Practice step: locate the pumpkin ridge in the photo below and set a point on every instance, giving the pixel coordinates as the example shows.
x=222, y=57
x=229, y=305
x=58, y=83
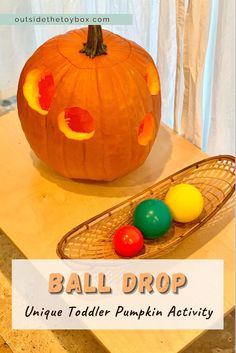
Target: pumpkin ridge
x=65, y=140
x=59, y=83
x=84, y=149
x=64, y=57
x=118, y=36
x=48, y=43
x=140, y=59
x=137, y=111
x=143, y=105
x=129, y=120
x=138, y=89
x=101, y=124
x=142, y=76
x=137, y=72
x=155, y=78
x=27, y=131
x=137, y=50
x=116, y=64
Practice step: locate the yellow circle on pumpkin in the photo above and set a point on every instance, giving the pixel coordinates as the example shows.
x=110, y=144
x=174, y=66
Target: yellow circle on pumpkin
x=185, y=202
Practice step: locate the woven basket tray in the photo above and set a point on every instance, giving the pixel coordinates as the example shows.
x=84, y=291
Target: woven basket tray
x=214, y=177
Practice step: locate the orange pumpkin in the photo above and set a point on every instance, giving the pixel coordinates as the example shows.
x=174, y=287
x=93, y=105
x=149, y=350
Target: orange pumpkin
x=89, y=104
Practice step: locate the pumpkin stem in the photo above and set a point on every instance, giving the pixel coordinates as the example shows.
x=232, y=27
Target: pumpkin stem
x=94, y=45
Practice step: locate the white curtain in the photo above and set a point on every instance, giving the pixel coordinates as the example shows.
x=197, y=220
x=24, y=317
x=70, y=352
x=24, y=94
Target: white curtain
x=192, y=42
x=222, y=112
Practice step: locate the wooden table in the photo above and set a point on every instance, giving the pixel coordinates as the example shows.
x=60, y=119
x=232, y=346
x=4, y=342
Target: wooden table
x=38, y=206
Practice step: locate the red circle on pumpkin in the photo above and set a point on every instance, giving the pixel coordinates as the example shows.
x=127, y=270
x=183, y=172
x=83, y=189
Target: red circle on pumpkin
x=46, y=91
x=79, y=120
x=128, y=241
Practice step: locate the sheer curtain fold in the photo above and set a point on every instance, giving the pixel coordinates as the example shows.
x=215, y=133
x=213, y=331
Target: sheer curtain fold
x=166, y=58
x=195, y=46
x=222, y=112
x=194, y=41
x=179, y=84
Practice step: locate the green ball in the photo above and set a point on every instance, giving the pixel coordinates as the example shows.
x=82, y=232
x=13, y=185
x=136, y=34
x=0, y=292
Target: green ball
x=153, y=218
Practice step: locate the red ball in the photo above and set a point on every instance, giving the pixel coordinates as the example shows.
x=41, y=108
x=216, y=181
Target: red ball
x=128, y=241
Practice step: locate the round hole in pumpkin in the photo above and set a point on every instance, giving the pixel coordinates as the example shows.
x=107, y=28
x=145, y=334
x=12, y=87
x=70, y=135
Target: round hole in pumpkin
x=152, y=79
x=76, y=123
x=38, y=90
x=46, y=91
x=146, y=130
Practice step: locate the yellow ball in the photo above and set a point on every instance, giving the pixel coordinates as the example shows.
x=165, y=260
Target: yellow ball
x=185, y=202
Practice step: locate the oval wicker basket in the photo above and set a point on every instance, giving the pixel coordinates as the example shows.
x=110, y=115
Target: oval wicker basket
x=214, y=176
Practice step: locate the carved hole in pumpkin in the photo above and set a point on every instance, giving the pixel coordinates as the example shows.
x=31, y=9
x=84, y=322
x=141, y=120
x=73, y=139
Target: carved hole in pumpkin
x=152, y=79
x=46, y=91
x=146, y=130
x=76, y=123
x=39, y=89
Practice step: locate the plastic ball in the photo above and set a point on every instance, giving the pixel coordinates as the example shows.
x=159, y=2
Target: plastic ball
x=128, y=241
x=153, y=218
x=185, y=202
